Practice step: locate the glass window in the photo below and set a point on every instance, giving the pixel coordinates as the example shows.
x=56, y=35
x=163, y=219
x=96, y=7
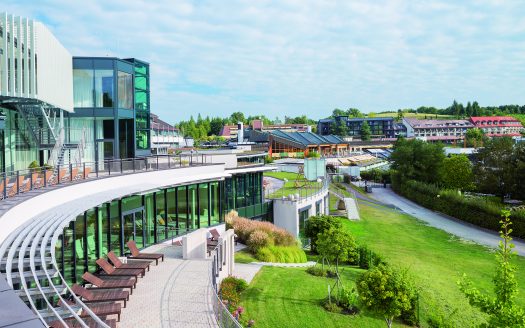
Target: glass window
x=80, y=247
x=160, y=215
x=103, y=227
x=69, y=253
x=91, y=240
x=115, y=228
x=171, y=202
x=182, y=208
x=83, y=88
x=203, y=204
x=125, y=90
x=104, y=88
x=192, y=204
x=214, y=203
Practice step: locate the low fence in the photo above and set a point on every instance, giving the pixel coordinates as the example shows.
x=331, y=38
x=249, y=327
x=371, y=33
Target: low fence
x=22, y=181
x=223, y=316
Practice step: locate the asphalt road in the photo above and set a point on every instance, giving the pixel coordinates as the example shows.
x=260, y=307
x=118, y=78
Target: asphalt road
x=443, y=222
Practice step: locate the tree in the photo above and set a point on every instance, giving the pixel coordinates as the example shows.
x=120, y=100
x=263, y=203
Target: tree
x=400, y=115
x=365, y=131
x=336, y=245
x=354, y=112
x=237, y=117
x=338, y=112
x=501, y=309
x=386, y=291
x=339, y=128
x=216, y=125
x=475, y=137
x=494, y=167
x=417, y=160
x=456, y=173
x=316, y=225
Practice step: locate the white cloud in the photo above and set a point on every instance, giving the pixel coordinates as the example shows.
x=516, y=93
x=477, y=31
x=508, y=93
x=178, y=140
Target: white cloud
x=297, y=56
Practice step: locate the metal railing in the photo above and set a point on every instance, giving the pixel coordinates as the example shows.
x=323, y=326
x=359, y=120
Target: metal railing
x=220, y=311
x=309, y=189
x=22, y=181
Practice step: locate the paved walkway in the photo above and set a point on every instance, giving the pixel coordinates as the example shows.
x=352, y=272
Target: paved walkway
x=176, y=293
x=443, y=222
x=274, y=184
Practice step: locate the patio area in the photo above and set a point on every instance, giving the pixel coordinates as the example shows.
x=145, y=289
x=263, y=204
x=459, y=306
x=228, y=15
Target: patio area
x=176, y=293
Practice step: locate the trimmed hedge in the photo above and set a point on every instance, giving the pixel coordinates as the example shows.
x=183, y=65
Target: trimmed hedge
x=485, y=214
x=281, y=254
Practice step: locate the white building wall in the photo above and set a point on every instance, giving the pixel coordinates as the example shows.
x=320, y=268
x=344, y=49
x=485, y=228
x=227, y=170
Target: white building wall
x=44, y=66
x=286, y=212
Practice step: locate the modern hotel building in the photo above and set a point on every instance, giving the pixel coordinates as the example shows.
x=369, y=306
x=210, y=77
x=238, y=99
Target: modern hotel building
x=94, y=185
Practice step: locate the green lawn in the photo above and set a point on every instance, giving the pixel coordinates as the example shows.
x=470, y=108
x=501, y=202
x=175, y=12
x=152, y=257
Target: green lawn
x=289, y=297
x=304, y=187
x=420, y=116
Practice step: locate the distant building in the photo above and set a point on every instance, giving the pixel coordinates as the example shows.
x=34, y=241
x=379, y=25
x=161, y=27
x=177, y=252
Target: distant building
x=380, y=127
x=230, y=132
x=299, y=144
x=165, y=136
x=498, y=126
x=437, y=130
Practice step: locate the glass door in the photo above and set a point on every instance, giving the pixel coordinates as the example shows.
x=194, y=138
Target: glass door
x=134, y=226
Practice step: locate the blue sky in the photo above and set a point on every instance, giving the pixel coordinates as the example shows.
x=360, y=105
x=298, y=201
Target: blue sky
x=295, y=57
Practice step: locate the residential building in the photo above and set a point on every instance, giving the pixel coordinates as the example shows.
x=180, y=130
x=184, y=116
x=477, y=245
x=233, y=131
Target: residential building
x=437, y=130
x=230, y=132
x=380, y=127
x=498, y=126
x=165, y=137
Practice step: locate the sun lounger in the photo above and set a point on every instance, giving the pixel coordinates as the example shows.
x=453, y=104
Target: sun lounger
x=100, y=309
x=119, y=265
x=136, y=254
x=90, y=296
x=73, y=323
x=112, y=271
x=100, y=283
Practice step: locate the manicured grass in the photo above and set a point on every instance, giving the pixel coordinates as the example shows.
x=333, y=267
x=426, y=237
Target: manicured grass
x=436, y=259
x=305, y=187
x=244, y=256
x=290, y=297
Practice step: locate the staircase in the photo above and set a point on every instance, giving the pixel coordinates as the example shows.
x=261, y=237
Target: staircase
x=42, y=123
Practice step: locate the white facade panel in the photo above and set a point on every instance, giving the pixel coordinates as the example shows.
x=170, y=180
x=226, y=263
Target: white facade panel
x=33, y=63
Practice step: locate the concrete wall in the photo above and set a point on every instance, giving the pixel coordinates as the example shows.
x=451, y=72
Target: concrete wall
x=194, y=244
x=286, y=212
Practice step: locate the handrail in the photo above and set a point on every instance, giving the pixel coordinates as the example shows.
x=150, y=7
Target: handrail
x=222, y=314
x=22, y=181
x=302, y=193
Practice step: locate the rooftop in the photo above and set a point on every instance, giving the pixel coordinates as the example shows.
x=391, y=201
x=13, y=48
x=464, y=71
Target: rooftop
x=415, y=123
x=308, y=138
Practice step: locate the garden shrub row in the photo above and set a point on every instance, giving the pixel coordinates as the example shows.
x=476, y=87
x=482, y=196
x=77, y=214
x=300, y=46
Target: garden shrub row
x=266, y=241
x=485, y=214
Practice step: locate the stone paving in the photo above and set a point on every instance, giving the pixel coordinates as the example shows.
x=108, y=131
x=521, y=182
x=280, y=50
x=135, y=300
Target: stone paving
x=176, y=293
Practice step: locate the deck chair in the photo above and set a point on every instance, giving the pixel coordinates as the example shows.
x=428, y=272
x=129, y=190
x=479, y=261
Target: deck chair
x=119, y=265
x=112, y=271
x=89, y=296
x=73, y=323
x=101, y=310
x=100, y=283
x=136, y=254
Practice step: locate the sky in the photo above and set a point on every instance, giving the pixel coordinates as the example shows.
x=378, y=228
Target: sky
x=301, y=57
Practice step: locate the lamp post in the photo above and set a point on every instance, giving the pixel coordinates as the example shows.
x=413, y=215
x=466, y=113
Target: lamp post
x=284, y=185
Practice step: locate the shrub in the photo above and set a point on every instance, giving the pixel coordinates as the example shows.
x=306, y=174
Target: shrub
x=481, y=212
x=332, y=307
x=368, y=258
x=337, y=246
x=283, y=238
x=239, y=284
x=281, y=254
x=316, y=271
x=316, y=225
x=348, y=300
x=258, y=239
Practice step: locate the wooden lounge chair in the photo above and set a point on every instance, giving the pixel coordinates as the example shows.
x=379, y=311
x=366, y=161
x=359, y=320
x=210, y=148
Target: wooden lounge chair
x=136, y=254
x=90, y=296
x=110, y=283
x=101, y=310
x=73, y=323
x=112, y=271
x=119, y=265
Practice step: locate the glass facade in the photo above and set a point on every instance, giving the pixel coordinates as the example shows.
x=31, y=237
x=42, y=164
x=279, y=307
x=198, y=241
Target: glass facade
x=125, y=90
x=142, y=105
x=147, y=219
x=17, y=145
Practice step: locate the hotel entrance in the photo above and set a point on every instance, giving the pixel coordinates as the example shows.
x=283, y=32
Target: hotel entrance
x=134, y=226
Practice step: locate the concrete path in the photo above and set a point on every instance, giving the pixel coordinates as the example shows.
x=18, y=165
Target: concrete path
x=273, y=185
x=246, y=271
x=443, y=222
x=176, y=293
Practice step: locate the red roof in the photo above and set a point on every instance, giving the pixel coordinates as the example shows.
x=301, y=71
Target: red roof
x=475, y=119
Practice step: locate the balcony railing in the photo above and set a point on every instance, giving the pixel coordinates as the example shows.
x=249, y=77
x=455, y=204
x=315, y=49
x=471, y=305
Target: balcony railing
x=23, y=181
